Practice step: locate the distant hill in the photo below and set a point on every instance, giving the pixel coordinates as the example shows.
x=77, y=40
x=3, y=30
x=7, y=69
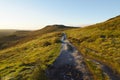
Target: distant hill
x=4, y=32
x=14, y=37
x=9, y=32
x=10, y=37
x=48, y=29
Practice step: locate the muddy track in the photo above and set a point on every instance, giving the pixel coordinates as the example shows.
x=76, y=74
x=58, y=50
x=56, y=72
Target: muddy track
x=106, y=69
x=69, y=65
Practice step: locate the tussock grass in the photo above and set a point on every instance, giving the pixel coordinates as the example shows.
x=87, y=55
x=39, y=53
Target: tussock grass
x=29, y=61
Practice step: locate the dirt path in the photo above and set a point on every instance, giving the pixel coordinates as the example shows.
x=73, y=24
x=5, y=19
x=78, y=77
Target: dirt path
x=69, y=65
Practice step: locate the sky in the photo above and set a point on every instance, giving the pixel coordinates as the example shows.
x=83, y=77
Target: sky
x=35, y=14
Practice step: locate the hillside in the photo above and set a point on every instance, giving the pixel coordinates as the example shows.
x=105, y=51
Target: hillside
x=99, y=42
x=22, y=36
x=28, y=60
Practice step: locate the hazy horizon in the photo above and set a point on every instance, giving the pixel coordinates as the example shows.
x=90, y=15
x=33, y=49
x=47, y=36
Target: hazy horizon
x=36, y=14
x=40, y=27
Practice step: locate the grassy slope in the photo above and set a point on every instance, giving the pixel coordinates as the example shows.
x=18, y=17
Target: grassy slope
x=29, y=60
x=100, y=42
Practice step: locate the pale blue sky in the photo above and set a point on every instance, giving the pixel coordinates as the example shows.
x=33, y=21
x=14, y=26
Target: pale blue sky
x=35, y=14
